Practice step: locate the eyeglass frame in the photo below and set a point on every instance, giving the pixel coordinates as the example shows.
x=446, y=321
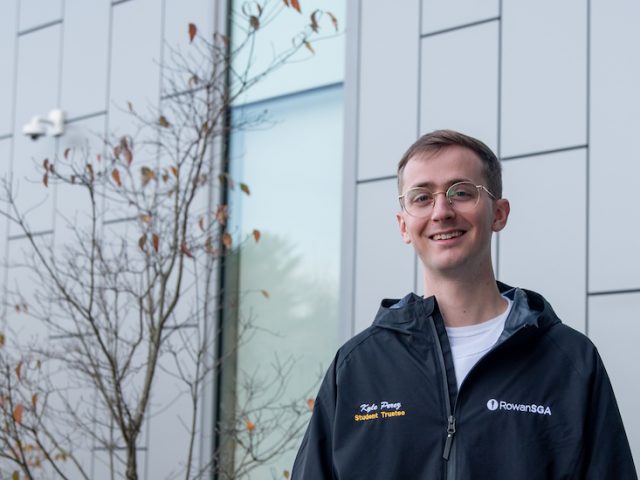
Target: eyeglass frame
x=449, y=200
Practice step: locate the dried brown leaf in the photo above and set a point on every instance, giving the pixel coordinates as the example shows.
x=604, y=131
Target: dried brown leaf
x=193, y=80
x=17, y=413
x=155, y=240
x=222, y=213
x=250, y=425
x=245, y=188
x=227, y=241
x=265, y=294
x=309, y=47
x=334, y=20
x=142, y=242
x=66, y=152
x=311, y=403
x=146, y=218
x=45, y=179
x=296, y=5
x=185, y=250
x=128, y=155
x=115, y=174
x=193, y=30
x=19, y=370
x=256, y=235
x=286, y=474
x=45, y=164
x=34, y=400
x=286, y=2
x=314, y=21
x=201, y=223
x=147, y=175
x=254, y=22
x=2, y=339
x=164, y=122
x=174, y=170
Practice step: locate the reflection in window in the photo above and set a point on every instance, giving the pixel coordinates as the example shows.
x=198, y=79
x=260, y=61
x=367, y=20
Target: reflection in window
x=287, y=283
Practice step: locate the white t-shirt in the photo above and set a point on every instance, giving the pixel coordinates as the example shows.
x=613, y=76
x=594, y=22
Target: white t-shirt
x=470, y=343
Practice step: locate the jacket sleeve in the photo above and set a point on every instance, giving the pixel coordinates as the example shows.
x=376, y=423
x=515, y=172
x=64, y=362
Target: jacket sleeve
x=314, y=460
x=606, y=449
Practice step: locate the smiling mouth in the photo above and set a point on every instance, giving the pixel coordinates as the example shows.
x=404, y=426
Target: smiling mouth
x=447, y=236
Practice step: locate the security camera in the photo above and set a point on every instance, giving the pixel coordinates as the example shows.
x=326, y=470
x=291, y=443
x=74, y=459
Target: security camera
x=52, y=125
x=35, y=129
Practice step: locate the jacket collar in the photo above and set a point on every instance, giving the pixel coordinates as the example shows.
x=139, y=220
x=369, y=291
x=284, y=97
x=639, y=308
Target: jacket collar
x=407, y=315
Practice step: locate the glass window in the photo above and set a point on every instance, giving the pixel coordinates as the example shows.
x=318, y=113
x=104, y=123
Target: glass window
x=288, y=281
x=305, y=70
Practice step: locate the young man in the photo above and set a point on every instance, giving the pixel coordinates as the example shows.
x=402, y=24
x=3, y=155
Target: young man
x=477, y=380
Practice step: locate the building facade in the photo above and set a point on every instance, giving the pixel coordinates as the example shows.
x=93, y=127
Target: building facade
x=550, y=87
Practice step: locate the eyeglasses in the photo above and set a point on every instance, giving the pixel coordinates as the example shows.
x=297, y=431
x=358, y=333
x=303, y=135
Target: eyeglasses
x=462, y=196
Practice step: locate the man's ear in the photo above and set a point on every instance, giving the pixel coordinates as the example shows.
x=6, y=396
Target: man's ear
x=500, y=214
x=403, y=228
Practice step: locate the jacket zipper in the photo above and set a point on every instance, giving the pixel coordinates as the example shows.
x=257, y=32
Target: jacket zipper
x=451, y=419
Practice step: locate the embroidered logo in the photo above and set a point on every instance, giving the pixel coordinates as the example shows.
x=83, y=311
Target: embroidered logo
x=380, y=410
x=494, y=405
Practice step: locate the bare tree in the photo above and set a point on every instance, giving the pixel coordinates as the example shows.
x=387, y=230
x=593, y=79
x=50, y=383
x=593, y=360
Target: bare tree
x=122, y=303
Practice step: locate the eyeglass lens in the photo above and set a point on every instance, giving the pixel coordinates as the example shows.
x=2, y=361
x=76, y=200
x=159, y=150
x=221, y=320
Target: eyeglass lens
x=461, y=196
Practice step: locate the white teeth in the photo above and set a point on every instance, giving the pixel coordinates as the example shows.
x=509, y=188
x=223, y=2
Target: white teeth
x=446, y=236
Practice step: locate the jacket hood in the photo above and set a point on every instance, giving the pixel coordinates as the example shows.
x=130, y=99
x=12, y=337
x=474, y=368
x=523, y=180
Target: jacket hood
x=408, y=314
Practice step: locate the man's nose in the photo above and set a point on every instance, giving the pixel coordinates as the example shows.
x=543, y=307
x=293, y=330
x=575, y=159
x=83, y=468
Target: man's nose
x=442, y=209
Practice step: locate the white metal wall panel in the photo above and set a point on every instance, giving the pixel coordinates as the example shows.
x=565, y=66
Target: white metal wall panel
x=443, y=14
x=8, y=31
x=614, y=326
x=25, y=295
x=384, y=263
x=544, y=85
x=36, y=94
x=5, y=152
x=614, y=258
x=459, y=82
x=34, y=13
x=85, y=59
x=542, y=247
x=388, y=75
x=135, y=62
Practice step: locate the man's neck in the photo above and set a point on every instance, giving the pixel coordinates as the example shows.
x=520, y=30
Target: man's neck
x=468, y=300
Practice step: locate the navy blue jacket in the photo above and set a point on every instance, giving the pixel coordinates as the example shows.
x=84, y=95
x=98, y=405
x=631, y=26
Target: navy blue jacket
x=539, y=405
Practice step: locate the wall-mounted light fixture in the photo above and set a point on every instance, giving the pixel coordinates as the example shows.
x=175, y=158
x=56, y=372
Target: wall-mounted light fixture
x=52, y=125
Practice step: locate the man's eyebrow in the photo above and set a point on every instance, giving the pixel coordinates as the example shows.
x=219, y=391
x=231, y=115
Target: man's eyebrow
x=431, y=185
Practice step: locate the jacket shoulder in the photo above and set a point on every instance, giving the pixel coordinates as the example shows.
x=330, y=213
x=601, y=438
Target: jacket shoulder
x=575, y=346
x=352, y=345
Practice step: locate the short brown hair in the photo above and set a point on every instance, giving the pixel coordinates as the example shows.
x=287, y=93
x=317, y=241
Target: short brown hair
x=440, y=139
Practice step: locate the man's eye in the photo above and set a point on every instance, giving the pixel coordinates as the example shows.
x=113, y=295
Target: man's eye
x=460, y=194
x=421, y=198
x=463, y=192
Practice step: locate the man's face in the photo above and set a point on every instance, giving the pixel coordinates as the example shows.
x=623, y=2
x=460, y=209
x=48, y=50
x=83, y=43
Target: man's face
x=469, y=247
